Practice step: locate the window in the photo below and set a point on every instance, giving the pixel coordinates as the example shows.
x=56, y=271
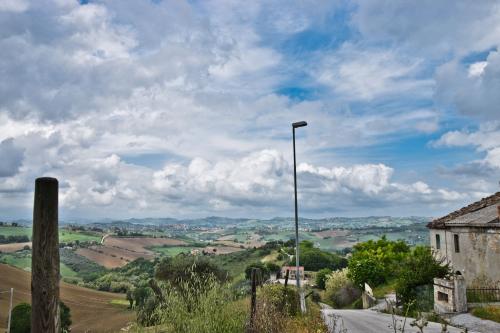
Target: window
x=438, y=242
x=457, y=244
x=442, y=297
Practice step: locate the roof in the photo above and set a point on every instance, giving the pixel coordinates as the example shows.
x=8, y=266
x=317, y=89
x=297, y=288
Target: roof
x=482, y=213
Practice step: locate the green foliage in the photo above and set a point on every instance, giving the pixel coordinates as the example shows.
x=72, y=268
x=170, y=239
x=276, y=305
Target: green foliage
x=417, y=269
x=321, y=277
x=21, y=318
x=376, y=262
x=314, y=259
x=286, y=300
x=262, y=274
x=182, y=268
x=65, y=314
x=272, y=267
x=88, y=270
x=340, y=290
x=122, y=279
x=14, y=239
x=186, y=308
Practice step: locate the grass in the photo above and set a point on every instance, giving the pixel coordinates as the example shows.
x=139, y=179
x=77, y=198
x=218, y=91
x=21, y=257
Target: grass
x=22, y=260
x=15, y=231
x=65, y=236
x=489, y=312
x=121, y=303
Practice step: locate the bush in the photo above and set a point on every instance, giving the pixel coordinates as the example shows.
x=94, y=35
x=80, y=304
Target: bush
x=182, y=268
x=263, y=272
x=186, y=308
x=21, y=318
x=418, y=269
x=376, y=262
x=321, y=277
x=340, y=290
x=65, y=314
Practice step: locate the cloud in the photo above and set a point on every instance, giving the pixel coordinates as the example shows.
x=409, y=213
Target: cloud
x=432, y=28
x=11, y=158
x=472, y=89
x=364, y=74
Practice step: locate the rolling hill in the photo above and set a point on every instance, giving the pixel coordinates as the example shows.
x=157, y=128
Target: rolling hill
x=91, y=310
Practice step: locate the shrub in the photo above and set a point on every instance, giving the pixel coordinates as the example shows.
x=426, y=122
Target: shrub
x=182, y=268
x=263, y=272
x=340, y=290
x=376, y=262
x=65, y=314
x=419, y=268
x=186, y=308
x=321, y=277
x=335, y=281
x=21, y=318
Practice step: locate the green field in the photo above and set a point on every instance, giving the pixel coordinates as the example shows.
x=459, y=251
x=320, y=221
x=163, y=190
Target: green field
x=65, y=236
x=15, y=231
x=22, y=260
x=172, y=251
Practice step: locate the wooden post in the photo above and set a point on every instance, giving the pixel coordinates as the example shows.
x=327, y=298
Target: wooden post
x=254, y=298
x=286, y=278
x=10, y=309
x=45, y=258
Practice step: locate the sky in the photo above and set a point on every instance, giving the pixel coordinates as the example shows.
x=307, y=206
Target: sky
x=184, y=108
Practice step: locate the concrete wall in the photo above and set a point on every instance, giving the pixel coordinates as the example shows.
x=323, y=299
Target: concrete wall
x=450, y=295
x=478, y=260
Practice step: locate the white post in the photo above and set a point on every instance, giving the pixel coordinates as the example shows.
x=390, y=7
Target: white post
x=10, y=308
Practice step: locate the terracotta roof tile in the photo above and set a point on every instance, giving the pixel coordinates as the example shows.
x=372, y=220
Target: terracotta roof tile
x=485, y=202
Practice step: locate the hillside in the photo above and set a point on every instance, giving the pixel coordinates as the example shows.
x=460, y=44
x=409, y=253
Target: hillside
x=90, y=309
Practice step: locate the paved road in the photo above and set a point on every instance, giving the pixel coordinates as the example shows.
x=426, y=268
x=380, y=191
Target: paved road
x=368, y=321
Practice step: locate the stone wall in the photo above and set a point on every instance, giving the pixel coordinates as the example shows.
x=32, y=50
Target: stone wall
x=477, y=261
x=450, y=295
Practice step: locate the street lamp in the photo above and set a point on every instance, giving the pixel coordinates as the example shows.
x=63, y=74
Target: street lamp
x=297, y=272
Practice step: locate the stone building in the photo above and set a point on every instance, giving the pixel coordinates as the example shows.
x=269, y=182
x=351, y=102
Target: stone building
x=469, y=240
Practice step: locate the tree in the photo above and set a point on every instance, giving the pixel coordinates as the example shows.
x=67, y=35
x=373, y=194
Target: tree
x=321, y=277
x=180, y=268
x=262, y=271
x=314, y=259
x=376, y=262
x=418, y=269
x=21, y=318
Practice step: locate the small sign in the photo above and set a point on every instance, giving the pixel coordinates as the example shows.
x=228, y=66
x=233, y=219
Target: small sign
x=368, y=290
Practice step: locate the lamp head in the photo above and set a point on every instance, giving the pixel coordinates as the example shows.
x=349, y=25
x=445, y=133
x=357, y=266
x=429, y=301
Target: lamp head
x=299, y=124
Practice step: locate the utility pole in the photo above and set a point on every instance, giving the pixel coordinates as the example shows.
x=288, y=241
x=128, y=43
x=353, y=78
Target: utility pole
x=10, y=309
x=297, y=271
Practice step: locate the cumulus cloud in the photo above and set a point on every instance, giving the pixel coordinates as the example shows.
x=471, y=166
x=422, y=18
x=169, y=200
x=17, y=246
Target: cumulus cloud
x=86, y=89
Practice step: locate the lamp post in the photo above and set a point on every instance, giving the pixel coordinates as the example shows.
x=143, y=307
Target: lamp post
x=297, y=272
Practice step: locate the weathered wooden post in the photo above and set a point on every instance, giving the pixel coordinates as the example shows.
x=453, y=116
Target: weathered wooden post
x=286, y=278
x=45, y=258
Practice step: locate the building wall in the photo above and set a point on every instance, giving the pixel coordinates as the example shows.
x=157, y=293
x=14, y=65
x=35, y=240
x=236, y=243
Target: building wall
x=478, y=260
